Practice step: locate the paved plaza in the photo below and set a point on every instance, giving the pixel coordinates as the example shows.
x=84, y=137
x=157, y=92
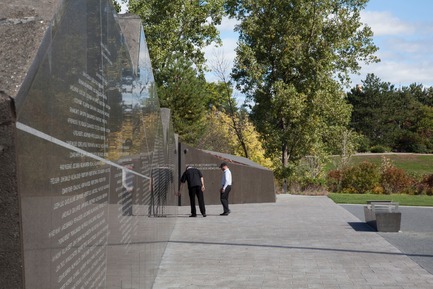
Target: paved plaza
x=416, y=236
x=297, y=242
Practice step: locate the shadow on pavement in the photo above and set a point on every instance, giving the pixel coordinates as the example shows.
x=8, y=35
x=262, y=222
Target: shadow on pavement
x=299, y=248
x=361, y=227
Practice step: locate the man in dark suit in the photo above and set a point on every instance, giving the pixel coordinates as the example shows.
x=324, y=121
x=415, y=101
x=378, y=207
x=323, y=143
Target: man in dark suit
x=195, y=188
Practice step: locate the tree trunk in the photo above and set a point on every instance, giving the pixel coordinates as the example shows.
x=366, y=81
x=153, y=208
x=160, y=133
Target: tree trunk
x=284, y=156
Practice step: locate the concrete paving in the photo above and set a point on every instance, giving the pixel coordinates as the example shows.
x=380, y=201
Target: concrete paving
x=297, y=242
x=416, y=235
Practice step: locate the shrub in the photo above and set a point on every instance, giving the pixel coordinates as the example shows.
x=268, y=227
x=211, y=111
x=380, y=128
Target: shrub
x=395, y=181
x=410, y=142
x=361, y=178
x=425, y=187
x=363, y=144
x=333, y=180
x=313, y=186
x=379, y=149
x=307, y=186
x=378, y=190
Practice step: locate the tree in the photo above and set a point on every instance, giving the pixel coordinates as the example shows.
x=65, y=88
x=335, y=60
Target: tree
x=216, y=136
x=390, y=117
x=288, y=56
x=423, y=95
x=185, y=93
x=176, y=32
x=176, y=28
x=220, y=67
x=424, y=129
x=251, y=142
x=220, y=136
x=116, y=5
x=373, y=109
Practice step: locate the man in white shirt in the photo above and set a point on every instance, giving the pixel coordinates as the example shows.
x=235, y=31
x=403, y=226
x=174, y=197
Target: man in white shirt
x=226, y=186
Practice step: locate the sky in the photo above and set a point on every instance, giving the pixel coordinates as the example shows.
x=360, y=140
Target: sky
x=403, y=32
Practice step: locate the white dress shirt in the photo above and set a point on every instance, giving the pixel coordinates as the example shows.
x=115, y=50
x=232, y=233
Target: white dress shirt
x=226, y=179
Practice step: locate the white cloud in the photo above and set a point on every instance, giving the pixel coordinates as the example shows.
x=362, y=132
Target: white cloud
x=384, y=23
x=399, y=72
x=227, y=24
x=123, y=6
x=405, y=50
x=413, y=46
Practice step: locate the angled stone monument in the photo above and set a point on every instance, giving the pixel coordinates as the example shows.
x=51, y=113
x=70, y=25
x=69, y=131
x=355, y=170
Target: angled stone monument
x=89, y=156
x=11, y=256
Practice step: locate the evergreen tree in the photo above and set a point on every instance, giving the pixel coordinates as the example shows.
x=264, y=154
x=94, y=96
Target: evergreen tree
x=185, y=94
x=390, y=117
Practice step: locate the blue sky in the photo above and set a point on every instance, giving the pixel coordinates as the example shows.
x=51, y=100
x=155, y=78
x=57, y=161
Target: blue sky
x=403, y=32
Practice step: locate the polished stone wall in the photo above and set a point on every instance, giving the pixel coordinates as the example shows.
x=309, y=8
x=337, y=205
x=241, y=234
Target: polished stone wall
x=95, y=155
x=11, y=255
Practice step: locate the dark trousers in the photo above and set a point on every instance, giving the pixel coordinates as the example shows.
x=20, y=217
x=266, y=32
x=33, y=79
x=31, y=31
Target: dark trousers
x=225, y=199
x=196, y=191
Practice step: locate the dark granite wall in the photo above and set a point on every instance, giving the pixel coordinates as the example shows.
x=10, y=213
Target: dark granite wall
x=10, y=225
x=88, y=163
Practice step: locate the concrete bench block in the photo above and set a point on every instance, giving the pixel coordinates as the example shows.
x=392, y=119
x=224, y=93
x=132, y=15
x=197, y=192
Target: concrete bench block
x=383, y=217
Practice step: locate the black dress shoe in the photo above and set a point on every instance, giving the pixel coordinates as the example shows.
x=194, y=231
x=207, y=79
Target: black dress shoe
x=224, y=214
x=192, y=216
x=204, y=215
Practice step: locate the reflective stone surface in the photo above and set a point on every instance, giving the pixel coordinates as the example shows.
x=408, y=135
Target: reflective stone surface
x=96, y=156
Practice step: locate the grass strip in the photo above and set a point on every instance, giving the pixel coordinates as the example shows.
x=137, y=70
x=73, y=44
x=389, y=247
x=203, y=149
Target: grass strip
x=403, y=200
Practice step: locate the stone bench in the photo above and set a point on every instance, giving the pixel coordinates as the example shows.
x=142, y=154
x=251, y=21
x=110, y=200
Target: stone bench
x=383, y=216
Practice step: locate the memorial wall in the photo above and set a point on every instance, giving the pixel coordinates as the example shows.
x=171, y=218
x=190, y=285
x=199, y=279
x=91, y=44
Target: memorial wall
x=96, y=156
x=252, y=183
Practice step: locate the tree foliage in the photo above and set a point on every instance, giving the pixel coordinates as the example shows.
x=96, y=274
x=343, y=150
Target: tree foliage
x=239, y=121
x=178, y=29
x=176, y=33
x=400, y=119
x=185, y=94
x=221, y=136
x=116, y=5
x=288, y=56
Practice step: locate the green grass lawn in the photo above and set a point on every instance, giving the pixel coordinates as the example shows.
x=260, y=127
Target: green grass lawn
x=413, y=164
x=403, y=200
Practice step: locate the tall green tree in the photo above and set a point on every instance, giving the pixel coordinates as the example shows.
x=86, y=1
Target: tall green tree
x=373, y=108
x=423, y=94
x=391, y=117
x=289, y=55
x=178, y=28
x=185, y=93
x=176, y=33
